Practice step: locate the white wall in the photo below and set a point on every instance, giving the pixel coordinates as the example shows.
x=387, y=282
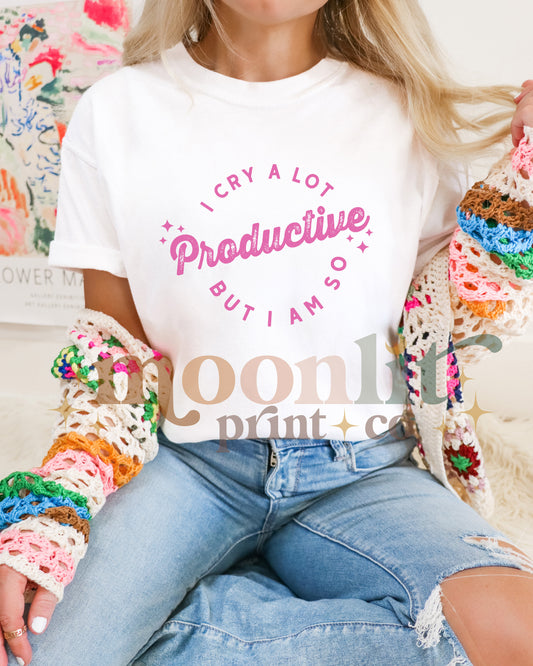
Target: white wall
x=487, y=42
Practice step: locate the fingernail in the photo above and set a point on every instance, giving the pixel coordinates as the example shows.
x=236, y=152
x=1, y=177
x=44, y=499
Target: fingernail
x=38, y=624
x=20, y=661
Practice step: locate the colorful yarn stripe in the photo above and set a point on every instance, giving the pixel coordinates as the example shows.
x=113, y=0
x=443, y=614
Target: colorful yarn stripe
x=453, y=383
x=65, y=515
x=63, y=537
x=465, y=461
x=13, y=509
x=124, y=467
x=71, y=364
x=471, y=284
x=107, y=346
x=490, y=204
x=39, y=552
x=113, y=343
x=495, y=237
x=81, y=460
x=523, y=157
x=461, y=451
x=17, y=481
x=151, y=411
x=521, y=263
x=488, y=309
x=405, y=359
x=79, y=481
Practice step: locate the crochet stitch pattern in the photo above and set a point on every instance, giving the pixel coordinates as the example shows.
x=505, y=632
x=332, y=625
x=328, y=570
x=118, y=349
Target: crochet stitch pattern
x=97, y=448
x=480, y=284
x=495, y=236
x=95, y=467
x=512, y=322
x=124, y=467
x=67, y=516
x=521, y=263
x=37, y=558
x=16, y=482
x=13, y=509
x=70, y=364
x=494, y=207
x=474, y=271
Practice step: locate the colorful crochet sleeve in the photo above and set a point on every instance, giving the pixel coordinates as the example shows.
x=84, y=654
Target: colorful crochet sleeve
x=98, y=446
x=491, y=253
x=481, y=284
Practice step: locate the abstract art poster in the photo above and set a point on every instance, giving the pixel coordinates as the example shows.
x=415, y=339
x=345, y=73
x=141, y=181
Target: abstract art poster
x=49, y=55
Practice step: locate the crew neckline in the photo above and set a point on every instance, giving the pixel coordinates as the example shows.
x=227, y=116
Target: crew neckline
x=185, y=70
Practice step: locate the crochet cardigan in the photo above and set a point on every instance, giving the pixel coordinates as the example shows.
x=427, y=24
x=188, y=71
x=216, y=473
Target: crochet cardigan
x=468, y=299
x=98, y=446
x=481, y=283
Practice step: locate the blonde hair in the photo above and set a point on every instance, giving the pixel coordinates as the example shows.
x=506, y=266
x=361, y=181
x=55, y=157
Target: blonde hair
x=389, y=38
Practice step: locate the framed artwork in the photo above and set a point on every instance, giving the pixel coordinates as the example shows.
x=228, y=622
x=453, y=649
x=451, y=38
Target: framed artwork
x=49, y=54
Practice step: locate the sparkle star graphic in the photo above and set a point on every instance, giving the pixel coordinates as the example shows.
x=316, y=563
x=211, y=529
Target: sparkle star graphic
x=167, y=225
x=475, y=411
x=180, y=229
x=362, y=247
x=163, y=240
x=344, y=425
x=65, y=410
x=350, y=238
x=463, y=377
x=369, y=232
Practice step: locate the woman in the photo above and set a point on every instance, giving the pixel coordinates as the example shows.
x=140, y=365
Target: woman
x=251, y=204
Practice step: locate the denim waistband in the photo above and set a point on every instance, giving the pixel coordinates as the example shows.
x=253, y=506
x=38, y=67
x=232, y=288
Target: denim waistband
x=346, y=450
x=397, y=432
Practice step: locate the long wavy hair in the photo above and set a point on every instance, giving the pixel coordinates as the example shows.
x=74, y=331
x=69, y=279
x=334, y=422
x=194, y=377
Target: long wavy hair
x=389, y=38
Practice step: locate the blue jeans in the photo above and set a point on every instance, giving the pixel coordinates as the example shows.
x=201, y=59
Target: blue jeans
x=324, y=553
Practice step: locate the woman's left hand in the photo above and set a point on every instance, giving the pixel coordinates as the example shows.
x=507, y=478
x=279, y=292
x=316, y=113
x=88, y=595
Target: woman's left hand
x=524, y=111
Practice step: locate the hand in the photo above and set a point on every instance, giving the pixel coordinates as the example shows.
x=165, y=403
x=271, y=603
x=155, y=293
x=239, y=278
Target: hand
x=524, y=112
x=12, y=586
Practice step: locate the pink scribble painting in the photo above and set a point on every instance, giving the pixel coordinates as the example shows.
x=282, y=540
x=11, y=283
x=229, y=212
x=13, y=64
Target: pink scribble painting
x=49, y=54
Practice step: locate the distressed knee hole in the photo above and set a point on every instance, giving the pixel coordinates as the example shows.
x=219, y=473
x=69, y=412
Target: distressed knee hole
x=430, y=620
x=507, y=551
x=429, y=625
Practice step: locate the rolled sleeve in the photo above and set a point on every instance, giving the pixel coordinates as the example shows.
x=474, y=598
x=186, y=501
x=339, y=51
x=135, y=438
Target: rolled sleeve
x=85, y=236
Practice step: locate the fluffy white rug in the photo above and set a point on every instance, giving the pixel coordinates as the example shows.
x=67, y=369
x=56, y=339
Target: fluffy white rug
x=508, y=451
x=508, y=447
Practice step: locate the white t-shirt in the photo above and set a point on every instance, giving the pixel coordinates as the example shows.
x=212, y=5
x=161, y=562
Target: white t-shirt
x=269, y=232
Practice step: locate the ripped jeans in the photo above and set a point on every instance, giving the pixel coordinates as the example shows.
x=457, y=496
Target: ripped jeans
x=275, y=552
